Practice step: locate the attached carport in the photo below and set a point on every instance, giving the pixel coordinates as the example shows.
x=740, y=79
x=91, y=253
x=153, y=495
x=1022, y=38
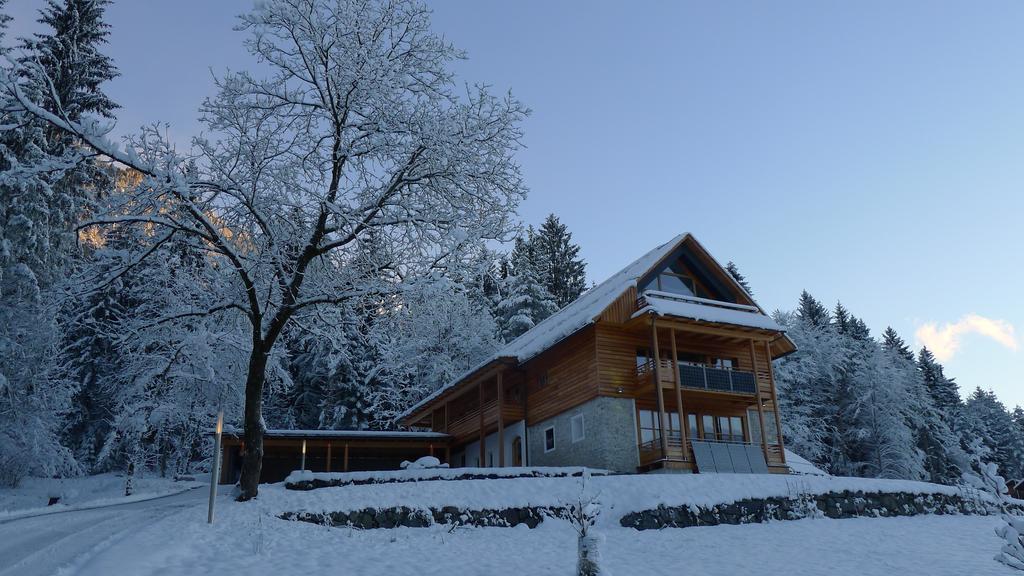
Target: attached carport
x=331, y=451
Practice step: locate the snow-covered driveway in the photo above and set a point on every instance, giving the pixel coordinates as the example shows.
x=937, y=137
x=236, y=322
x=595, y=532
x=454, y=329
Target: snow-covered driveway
x=68, y=542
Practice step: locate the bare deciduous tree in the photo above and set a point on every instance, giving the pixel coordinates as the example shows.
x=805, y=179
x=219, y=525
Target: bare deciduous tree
x=358, y=129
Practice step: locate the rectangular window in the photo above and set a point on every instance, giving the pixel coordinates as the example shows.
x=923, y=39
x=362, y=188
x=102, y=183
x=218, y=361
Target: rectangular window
x=691, y=420
x=549, y=439
x=676, y=284
x=736, y=425
x=542, y=379
x=708, y=425
x=772, y=431
x=690, y=358
x=726, y=363
x=649, y=431
x=754, y=424
x=576, y=425
x=672, y=426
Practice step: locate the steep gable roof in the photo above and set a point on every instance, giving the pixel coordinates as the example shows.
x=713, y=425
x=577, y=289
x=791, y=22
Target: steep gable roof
x=576, y=315
x=586, y=309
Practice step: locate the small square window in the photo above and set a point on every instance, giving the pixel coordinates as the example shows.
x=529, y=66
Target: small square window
x=542, y=379
x=576, y=424
x=549, y=439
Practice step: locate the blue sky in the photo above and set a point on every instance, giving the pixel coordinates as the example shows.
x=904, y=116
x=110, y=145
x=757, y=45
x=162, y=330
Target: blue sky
x=869, y=152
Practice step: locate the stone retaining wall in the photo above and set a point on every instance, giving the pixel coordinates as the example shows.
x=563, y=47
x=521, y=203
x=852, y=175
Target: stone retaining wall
x=413, y=518
x=829, y=505
x=335, y=482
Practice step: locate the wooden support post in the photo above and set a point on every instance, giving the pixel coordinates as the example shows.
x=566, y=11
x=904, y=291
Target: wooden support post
x=525, y=391
x=431, y=449
x=775, y=401
x=501, y=423
x=679, y=394
x=657, y=390
x=760, y=401
x=446, y=417
x=345, y=462
x=483, y=439
x=328, y=456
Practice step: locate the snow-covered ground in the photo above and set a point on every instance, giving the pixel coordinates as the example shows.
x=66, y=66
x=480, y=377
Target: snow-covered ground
x=32, y=495
x=170, y=537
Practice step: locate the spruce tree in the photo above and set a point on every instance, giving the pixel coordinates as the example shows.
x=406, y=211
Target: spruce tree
x=943, y=390
x=563, y=271
x=841, y=318
x=734, y=271
x=858, y=329
x=525, y=299
x=989, y=420
x=811, y=311
x=892, y=342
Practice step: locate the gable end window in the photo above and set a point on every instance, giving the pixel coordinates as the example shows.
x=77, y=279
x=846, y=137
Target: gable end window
x=576, y=424
x=549, y=439
x=676, y=284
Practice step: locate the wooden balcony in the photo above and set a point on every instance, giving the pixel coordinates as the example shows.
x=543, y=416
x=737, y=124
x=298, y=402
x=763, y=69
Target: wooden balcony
x=467, y=425
x=699, y=377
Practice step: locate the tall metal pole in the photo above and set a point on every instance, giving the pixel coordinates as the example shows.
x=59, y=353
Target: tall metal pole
x=215, y=467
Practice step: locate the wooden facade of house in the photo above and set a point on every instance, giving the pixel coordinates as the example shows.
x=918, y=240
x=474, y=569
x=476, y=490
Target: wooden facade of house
x=673, y=333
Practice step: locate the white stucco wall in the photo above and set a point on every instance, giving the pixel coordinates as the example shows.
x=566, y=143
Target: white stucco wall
x=472, y=450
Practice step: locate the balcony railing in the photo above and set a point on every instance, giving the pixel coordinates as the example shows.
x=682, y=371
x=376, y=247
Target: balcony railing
x=700, y=377
x=716, y=379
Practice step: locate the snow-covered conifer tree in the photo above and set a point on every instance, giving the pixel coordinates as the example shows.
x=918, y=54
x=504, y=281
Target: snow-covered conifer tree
x=525, y=300
x=564, y=272
x=734, y=271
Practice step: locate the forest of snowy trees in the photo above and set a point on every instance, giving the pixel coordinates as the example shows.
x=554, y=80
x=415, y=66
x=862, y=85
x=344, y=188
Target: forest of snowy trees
x=860, y=406
x=328, y=252
x=342, y=241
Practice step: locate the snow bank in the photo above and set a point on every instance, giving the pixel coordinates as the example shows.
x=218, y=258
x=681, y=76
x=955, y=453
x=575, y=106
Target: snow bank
x=30, y=498
x=801, y=466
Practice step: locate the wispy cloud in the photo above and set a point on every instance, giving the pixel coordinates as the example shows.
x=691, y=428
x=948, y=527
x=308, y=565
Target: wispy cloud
x=944, y=341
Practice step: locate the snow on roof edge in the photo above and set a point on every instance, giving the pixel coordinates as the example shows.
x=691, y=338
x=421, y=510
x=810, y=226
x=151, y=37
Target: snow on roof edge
x=575, y=316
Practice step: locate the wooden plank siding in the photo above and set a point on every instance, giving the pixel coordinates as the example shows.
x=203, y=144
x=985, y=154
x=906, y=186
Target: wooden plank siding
x=571, y=377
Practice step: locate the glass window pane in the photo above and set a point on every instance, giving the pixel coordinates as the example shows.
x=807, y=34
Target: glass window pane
x=723, y=428
x=675, y=284
x=708, y=422
x=754, y=425
x=692, y=420
x=736, y=424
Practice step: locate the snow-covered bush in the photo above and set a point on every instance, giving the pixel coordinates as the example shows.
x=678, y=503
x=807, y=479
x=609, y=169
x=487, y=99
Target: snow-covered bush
x=423, y=463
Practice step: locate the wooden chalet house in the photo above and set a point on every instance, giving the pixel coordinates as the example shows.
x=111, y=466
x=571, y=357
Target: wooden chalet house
x=665, y=365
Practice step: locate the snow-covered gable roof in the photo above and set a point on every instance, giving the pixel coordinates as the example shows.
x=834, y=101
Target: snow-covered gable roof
x=576, y=315
x=588, y=307
x=585, y=309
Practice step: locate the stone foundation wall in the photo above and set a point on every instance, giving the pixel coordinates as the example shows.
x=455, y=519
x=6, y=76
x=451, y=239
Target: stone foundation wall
x=609, y=440
x=830, y=505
